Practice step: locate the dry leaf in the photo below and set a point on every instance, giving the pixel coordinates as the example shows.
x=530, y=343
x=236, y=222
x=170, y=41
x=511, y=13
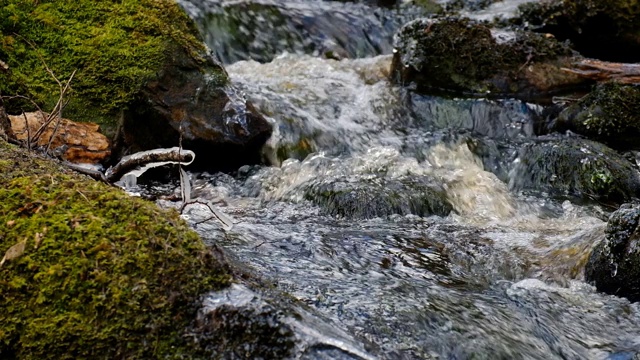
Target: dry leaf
x=14, y=252
x=10, y=223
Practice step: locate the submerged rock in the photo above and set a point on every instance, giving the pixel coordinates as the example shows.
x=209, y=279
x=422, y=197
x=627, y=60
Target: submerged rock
x=568, y=166
x=369, y=197
x=608, y=30
x=614, y=264
x=463, y=56
x=609, y=114
x=252, y=326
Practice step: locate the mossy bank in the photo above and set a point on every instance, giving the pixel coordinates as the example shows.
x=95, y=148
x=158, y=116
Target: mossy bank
x=102, y=275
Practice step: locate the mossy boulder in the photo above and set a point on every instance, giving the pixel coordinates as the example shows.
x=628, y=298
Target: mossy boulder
x=609, y=114
x=140, y=63
x=608, y=30
x=463, y=56
x=370, y=197
x=575, y=167
x=614, y=263
x=92, y=272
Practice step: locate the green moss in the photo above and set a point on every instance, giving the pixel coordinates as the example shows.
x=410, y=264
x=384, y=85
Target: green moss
x=464, y=55
x=576, y=167
x=115, y=46
x=607, y=30
x=103, y=275
x=610, y=113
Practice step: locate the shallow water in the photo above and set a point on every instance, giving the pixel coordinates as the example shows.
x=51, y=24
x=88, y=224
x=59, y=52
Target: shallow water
x=498, y=278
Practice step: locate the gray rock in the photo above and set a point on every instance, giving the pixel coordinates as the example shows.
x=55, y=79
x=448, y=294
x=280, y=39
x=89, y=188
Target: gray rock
x=369, y=197
x=464, y=56
x=614, y=264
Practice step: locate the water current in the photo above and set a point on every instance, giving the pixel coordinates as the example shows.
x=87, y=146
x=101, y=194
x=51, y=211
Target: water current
x=499, y=277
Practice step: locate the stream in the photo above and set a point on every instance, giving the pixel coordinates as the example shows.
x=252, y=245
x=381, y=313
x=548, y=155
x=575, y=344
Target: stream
x=500, y=276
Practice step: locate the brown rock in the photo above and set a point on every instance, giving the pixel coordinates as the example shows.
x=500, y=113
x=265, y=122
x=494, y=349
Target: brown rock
x=74, y=142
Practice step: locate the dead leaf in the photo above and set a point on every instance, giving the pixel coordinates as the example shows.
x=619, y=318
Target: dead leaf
x=14, y=252
x=10, y=223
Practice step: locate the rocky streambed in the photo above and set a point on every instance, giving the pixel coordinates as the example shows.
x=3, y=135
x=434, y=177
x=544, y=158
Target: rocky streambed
x=418, y=183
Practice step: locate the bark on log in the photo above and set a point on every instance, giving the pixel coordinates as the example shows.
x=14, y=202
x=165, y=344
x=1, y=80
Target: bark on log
x=5, y=126
x=602, y=71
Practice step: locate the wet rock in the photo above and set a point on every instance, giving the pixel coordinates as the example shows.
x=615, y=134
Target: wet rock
x=73, y=142
x=238, y=323
x=575, y=167
x=369, y=197
x=614, y=264
x=463, y=56
x=608, y=30
x=609, y=114
x=191, y=99
x=148, y=74
x=260, y=30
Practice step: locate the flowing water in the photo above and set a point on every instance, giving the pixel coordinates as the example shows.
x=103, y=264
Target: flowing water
x=500, y=277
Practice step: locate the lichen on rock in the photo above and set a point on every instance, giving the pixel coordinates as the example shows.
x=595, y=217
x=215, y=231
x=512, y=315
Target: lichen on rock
x=102, y=275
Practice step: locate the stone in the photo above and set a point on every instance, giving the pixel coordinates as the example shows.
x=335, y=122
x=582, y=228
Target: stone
x=461, y=56
x=192, y=101
x=573, y=167
x=607, y=30
x=365, y=197
x=614, y=263
x=610, y=113
x=72, y=141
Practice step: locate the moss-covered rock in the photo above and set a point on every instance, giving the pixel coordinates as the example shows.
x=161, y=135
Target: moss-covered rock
x=102, y=275
x=369, y=197
x=609, y=114
x=116, y=47
x=464, y=56
x=574, y=167
x=608, y=30
x=140, y=63
x=614, y=264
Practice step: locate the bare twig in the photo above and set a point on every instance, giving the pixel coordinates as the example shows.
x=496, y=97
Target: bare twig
x=26, y=126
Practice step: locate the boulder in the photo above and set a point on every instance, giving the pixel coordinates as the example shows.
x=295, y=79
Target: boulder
x=369, y=197
x=73, y=142
x=609, y=114
x=607, y=30
x=467, y=57
x=139, y=64
x=574, y=167
x=192, y=100
x=90, y=272
x=614, y=263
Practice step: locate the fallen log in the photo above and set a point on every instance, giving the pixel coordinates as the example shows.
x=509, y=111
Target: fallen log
x=603, y=71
